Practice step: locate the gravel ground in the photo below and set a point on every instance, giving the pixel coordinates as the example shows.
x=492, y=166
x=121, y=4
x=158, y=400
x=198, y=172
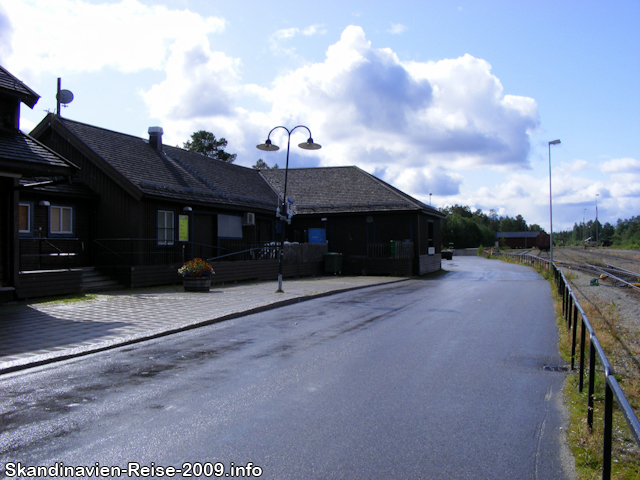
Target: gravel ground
x=611, y=308
x=623, y=301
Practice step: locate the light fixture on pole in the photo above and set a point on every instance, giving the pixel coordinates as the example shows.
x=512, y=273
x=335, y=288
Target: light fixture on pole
x=552, y=142
x=282, y=212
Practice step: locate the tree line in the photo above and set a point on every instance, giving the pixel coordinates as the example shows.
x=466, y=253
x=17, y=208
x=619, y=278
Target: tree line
x=625, y=234
x=469, y=229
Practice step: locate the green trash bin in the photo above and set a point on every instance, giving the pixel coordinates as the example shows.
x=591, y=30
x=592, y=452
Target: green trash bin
x=333, y=263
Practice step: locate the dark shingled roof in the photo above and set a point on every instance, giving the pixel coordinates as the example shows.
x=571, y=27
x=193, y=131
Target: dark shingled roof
x=10, y=85
x=174, y=173
x=341, y=190
x=71, y=186
x=23, y=154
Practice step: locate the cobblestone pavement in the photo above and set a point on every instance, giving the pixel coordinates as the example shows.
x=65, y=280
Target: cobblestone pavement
x=37, y=333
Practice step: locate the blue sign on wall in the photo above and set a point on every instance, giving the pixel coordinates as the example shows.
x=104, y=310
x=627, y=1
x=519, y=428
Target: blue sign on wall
x=317, y=235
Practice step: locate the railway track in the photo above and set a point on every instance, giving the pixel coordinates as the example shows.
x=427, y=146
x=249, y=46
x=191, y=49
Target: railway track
x=622, y=276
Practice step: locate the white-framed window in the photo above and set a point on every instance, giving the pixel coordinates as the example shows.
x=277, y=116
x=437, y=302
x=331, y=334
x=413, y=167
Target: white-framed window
x=60, y=220
x=229, y=226
x=24, y=218
x=166, y=227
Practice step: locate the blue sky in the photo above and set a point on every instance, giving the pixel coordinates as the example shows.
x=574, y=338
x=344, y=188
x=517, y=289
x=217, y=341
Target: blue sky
x=454, y=99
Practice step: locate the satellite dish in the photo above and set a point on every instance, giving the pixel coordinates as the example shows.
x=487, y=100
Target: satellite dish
x=64, y=96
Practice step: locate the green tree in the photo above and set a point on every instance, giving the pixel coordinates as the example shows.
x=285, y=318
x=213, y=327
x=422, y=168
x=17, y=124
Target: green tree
x=205, y=143
x=261, y=165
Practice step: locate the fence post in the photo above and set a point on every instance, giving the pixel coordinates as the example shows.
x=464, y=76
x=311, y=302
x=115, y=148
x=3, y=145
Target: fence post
x=575, y=331
x=582, y=345
x=608, y=420
x=592, y=380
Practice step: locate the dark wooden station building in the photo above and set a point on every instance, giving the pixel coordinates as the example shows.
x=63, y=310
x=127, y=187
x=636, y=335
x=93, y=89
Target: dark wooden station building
x=379, y=229
x=76, y=199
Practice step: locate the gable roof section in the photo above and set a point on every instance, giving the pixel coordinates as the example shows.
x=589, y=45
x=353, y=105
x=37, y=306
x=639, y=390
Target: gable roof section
x=173, y=173
x=238, y=185
x=22, y=154
x=341, y=190
x=10, y=85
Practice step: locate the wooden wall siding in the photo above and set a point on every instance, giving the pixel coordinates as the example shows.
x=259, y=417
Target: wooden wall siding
x=45, y=283
x=154, y=275
x=6, y=227
x=120, y=213
x=245, y=270
x=430, y=263
x=350, y=234
x=376, y=266
x=38, y=249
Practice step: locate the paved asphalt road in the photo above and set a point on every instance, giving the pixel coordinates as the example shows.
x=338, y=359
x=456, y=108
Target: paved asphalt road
x=430, y=378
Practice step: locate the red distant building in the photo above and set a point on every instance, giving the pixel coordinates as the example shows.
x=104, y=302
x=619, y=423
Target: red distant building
x=523, y=240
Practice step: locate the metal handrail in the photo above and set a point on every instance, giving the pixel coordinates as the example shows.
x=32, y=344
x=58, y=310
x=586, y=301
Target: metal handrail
x=97, y=242
x=232, y=254
x=130, y=251
x=64, y=254
x=570, y=310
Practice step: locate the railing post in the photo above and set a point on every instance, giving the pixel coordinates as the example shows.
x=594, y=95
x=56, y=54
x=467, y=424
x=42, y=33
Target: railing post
x=575, y=331
x=582, y=345
x=592, y=380
x=608, y=420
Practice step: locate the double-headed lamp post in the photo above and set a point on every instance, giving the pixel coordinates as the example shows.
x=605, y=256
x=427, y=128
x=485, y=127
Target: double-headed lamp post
x=552, y=142
x=282, y=212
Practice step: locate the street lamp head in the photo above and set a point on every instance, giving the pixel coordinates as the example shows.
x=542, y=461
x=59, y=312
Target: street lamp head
x=554, y=142
x=310, y=145
x=268, y=146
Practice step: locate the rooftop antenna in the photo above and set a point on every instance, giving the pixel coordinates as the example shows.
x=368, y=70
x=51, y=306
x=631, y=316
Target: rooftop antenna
x=63, y=97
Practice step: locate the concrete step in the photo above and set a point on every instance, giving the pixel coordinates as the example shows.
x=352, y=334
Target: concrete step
x=93, y=281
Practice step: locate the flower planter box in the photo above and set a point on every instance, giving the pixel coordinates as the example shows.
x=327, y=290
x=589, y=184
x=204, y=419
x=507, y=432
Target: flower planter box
x=196, y=284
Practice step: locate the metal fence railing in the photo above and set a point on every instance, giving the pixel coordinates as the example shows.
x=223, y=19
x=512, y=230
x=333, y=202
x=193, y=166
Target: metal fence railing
x=394, y=249
x=50, y=253
x=147, y=251
x=150, y=251
x=572, y=312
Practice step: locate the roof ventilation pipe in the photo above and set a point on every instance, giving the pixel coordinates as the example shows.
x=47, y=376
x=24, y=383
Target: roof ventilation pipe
x=155, y=138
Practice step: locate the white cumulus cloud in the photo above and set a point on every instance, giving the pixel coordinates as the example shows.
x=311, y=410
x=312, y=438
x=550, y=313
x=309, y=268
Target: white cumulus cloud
x=397, y=29
x=71, y=35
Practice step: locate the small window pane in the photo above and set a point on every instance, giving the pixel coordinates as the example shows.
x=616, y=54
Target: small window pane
x=55, y=219
x=61, y=219
x=66, y=220
x=24, y=220
x=166, y=229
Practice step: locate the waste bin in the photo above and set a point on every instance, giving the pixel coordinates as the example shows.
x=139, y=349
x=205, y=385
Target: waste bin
x=333, y=263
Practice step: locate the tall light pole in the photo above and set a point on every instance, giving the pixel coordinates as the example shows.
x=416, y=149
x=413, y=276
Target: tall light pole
x=282, y=212
x=597, y=232
x=583, y=224
x=552, y=142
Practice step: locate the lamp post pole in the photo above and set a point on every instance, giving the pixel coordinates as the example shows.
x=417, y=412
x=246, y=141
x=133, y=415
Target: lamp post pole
x=597, y=230
x=282, y=212
x=553, y=142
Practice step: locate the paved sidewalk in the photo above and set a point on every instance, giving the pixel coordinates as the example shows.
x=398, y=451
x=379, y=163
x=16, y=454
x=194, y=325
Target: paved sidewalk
x=38, y=333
